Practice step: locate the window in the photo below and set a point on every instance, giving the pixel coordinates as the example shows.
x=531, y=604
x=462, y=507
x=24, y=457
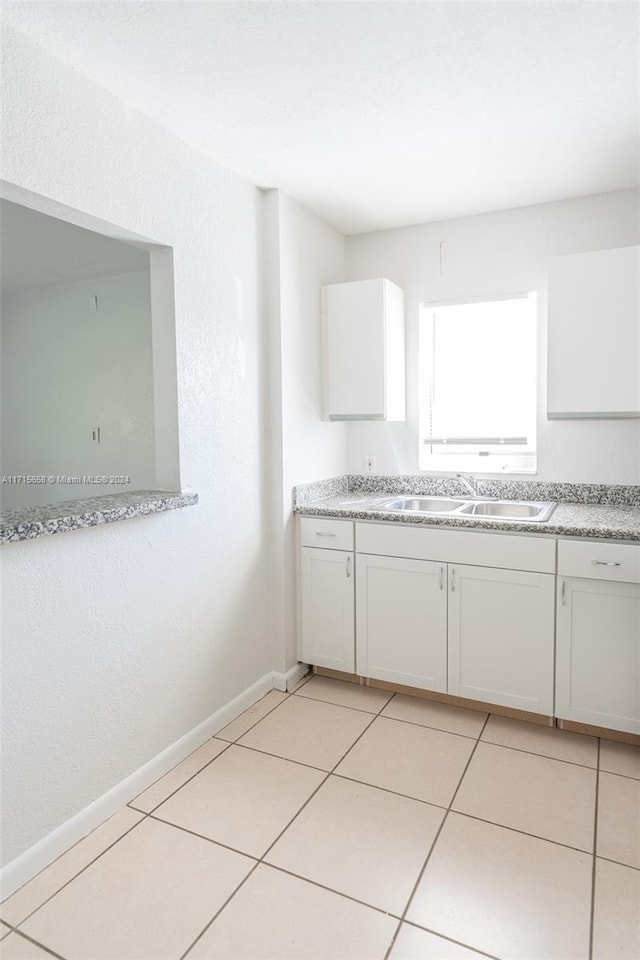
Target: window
x=478, y=386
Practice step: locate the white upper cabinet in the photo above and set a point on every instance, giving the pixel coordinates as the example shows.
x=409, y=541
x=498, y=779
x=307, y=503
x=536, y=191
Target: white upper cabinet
x=594, y=335
x=363, y=351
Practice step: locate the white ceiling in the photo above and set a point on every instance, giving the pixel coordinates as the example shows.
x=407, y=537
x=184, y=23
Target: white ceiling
x=38, y=251
x=376, y=114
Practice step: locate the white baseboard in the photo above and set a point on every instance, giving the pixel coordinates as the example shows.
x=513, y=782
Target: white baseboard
x=288, y=680
x=45, y=851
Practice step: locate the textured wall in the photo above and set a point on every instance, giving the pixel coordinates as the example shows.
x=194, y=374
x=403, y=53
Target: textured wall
x=488, y=255
x=118, y=640
x=311, y=254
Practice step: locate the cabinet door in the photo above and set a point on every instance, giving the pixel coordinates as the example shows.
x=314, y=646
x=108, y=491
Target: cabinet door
x=401, y=610
x=328, y=633
x=363, y=350
x=594, y=334
x=501, y=629
x=598, y=655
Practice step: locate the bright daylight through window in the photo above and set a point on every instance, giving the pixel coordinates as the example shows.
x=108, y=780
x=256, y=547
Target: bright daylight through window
x=478, y=386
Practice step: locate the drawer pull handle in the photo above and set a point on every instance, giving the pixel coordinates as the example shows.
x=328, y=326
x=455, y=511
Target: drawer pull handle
x=321, y=533
x=606, y=563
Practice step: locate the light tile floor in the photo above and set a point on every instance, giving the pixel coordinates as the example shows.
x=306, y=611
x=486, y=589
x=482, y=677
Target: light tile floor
x=344, y=822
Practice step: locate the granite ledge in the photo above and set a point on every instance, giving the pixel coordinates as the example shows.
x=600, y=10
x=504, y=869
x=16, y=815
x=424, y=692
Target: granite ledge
x=28, y=523
x=590, y=511
x=437, y=485
x=587, y=521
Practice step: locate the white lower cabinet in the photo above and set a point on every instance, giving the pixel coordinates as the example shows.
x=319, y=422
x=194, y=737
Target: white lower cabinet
x=598, y=652
x=475, y=615
x=327, y=608
x=501, y=630
x=401, y=616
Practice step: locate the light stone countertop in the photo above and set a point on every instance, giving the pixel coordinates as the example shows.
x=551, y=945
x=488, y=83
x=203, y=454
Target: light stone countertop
x=610, y=521
x=28, y=523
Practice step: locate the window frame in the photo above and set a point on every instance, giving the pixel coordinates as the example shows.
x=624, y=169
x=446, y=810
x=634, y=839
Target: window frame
x=517, y=459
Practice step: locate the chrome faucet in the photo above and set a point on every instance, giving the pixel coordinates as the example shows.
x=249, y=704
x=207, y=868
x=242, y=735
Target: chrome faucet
x=469, y=484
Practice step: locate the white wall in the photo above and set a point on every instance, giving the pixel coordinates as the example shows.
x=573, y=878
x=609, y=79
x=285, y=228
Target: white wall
x=117, y=640
x=306, y=254
x=500, y=253
x=66, y=371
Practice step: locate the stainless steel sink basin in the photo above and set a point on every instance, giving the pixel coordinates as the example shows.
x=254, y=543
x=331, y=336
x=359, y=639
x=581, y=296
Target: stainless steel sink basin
x=485, y=509
x=425, y=504
x=509, y=510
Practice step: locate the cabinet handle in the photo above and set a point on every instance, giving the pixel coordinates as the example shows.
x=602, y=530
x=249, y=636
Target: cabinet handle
x=606, y=563
x=441, y=577
x=348, y=566
x=321, y=533
x=563, y=593
x=453, y=579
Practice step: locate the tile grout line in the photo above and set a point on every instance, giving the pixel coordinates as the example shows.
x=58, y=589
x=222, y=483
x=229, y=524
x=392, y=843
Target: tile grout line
x=425, y=726
x=337, y=893
x=522, y=833
x=543, y=756
x=372, y=786
x=623, y=776
x=230, y=743
x=466, y=736
x=302, y=682
x=595, y=849
x=131, y=803
x=619, y=863
x=274, y=866
x=469, y=816
x=86, y=867
x=481, y=953
x=433, y=845
x=219, y=911
x=349, y=707
x=384, y=705
x=271, y=845
x=201, y=836
x=259, y=720
x=278, y=756
x=38, y=943
x=394, y=793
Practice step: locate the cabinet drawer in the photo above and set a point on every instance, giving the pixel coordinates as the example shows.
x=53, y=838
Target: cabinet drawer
x=476, y=548
x=331, y=534
x=599, y=561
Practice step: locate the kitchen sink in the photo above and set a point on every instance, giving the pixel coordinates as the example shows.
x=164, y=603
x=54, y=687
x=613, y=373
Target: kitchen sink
x=487, y=509
x=425, y=504
x=508, y=510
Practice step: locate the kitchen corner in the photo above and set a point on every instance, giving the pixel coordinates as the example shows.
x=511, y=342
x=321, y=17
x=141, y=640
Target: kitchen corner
x=537, y=619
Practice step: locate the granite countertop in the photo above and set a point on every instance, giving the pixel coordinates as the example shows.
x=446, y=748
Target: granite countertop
x=30, y=522
x=613, y=519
